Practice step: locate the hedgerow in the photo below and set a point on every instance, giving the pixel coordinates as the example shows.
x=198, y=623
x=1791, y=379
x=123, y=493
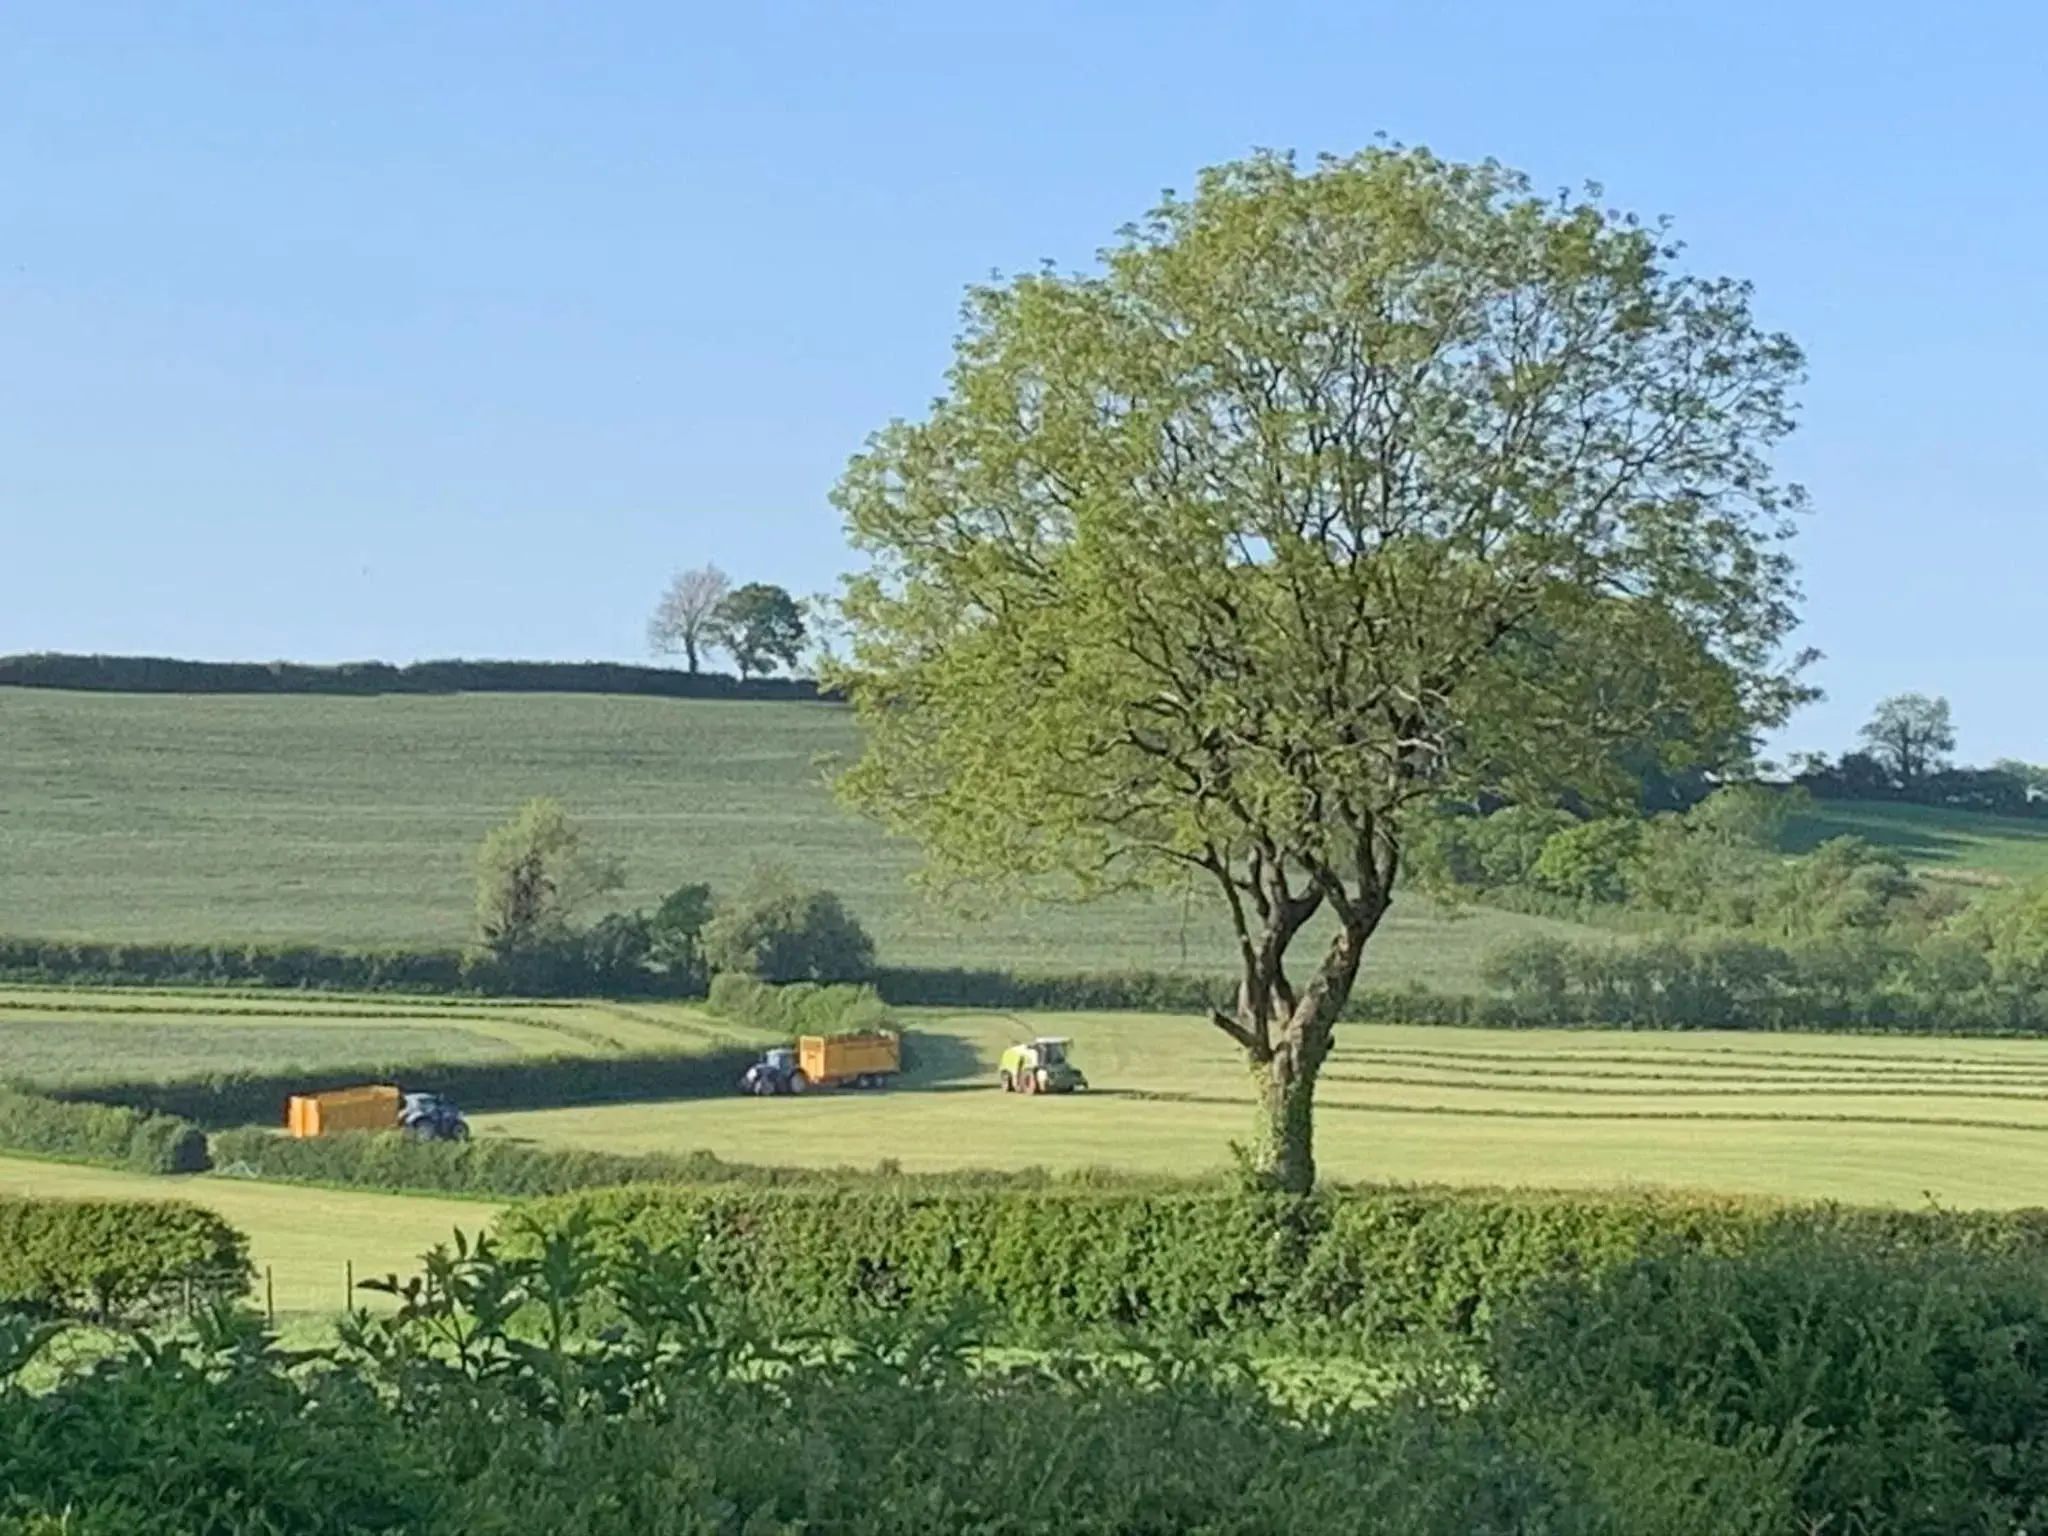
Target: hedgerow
x=504, y=1168
x=1367, y=1262
x=156, y=674
x=115, y=1135
x=547, y=1082
x=116, y=1260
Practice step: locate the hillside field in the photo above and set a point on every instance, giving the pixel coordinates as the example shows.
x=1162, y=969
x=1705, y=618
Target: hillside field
x=217, y=818
x=1962, y=844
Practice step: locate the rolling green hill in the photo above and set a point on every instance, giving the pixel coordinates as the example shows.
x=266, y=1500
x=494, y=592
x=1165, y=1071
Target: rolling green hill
x=353, y=820
x=1959, y=843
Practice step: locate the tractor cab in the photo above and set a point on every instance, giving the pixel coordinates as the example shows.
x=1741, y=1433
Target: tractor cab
x=430, y=1117
x=776, y=1072
x=1042, y=1066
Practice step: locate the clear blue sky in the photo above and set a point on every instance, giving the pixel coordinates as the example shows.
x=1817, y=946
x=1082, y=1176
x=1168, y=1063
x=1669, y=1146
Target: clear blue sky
x=333, y=331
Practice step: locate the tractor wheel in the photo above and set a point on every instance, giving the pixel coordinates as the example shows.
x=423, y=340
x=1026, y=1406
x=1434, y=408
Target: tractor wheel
x=1030, y=1082
x=798, y=1083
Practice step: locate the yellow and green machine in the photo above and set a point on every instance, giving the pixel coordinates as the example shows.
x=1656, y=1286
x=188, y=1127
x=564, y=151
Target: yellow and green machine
x=1042, y=1066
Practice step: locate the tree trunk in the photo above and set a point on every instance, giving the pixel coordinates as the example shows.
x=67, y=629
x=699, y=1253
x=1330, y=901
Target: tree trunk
x=690, y=652
x=1283, y=1149
x=1284, y=1072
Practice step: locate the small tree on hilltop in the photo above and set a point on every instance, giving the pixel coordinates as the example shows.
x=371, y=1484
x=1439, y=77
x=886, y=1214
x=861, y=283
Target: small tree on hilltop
x=1912, y=736
x=683, y=618
x=759, y=626
x=1333, y=496
x=531, y=875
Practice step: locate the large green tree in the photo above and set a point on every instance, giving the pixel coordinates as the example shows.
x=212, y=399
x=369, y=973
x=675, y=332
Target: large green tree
x=758, y=625
x=1332, y=494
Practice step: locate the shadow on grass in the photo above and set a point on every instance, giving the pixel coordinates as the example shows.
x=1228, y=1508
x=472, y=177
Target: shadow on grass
x=1924, y=834
x=941, y=1061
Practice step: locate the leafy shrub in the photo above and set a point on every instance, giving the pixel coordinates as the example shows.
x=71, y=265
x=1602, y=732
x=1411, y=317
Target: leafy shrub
x=775, y=931
x=1905, y=1391
x=116, y=1136
x=116, y=1259
x=1589, y=861
x=209, y=1436
x=801, y=1008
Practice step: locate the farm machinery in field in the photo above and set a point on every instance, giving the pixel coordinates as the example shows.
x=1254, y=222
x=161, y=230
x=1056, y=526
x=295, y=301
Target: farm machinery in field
x=378, y=1107
x=826, y=1061
x=430, y=1117
x=1042, y=1066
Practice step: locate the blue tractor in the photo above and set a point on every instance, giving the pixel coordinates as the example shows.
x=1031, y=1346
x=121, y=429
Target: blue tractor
x=430, y=1117
x=776, y=1072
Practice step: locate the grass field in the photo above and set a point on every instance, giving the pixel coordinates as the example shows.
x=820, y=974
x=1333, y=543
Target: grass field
x=306, y=1238
x=60, y=1036
x=343, y=820
x=1941, y=841
x=1863, y=1119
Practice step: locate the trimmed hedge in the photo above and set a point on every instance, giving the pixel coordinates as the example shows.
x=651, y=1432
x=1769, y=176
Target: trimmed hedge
x=156, y=674
x=1376, y=1262
x=389, y=1160
x=116, y=1260
x=116, y=1135
x=551, y=1082
x=509, y=1169
x=314, y=967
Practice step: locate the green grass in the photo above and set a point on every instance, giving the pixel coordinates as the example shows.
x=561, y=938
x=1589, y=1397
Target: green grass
x=1960, y=843
x=305, y=1238
x=1861, y=1119
x=55, y=1036
x=353, y=821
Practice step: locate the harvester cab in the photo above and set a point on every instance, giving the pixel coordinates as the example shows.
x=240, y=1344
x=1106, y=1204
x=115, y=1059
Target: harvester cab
x=431, y=1117
x=1041, y=1067
x=776, y=1072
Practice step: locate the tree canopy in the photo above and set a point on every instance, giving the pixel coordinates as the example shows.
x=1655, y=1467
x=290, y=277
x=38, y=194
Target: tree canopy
x=1911, y=735
x=532, y=873
x=758, y=625
x=1332, y=494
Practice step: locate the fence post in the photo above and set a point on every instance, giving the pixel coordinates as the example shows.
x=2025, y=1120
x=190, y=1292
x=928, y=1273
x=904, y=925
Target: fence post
x=348, y=1299
x=269, y=1297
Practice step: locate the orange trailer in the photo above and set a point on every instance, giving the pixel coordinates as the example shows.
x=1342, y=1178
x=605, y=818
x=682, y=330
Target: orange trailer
x=373, y=1108
x=862, y=1061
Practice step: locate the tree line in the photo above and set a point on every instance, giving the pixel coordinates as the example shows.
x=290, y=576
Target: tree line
x=1906, y=756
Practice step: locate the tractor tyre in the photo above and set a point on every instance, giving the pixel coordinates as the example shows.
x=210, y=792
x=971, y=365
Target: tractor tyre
x=1030, y=1081
x=798, y=1083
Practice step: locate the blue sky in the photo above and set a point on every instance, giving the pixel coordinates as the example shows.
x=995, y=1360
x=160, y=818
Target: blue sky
x=333, y=331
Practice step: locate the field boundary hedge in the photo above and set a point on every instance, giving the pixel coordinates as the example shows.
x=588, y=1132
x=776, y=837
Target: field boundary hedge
x=161, y=674
x=1381, y=1262
x=117, y=1260
x=138, y=1139
x=505, y=1168
x=530, y=1082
